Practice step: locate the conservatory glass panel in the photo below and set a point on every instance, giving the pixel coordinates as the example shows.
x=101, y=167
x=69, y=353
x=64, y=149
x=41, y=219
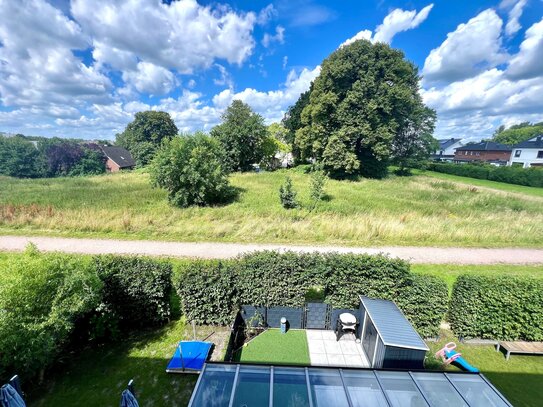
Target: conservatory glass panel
x=438, y=390
x=215, y=386
x=401, y=390
x=289, y=387
x=364, y=389
x=253, y=387
x=476, y=391
x=327, y=388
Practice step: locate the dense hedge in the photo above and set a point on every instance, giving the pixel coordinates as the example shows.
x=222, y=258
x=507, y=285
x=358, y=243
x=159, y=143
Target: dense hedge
x=51, y=302
x=211, y=292
x=532, y=177
x=136, y=290
x=507, y=308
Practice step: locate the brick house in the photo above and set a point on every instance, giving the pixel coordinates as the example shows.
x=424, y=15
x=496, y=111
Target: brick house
x=485, y=151
x=118, y=158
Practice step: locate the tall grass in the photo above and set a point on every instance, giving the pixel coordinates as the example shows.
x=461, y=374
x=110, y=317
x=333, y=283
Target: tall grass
x=416, y=210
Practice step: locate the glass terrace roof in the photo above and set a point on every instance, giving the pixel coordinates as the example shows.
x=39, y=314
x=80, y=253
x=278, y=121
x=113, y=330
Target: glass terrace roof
x=235, y=385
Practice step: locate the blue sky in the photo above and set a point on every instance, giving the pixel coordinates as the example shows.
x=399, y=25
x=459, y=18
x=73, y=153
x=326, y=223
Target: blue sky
x=83, y=68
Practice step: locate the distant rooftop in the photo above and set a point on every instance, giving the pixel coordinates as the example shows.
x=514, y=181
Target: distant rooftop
x=119, y=155
x=485, y=146
x=536, y=142
x=446, y=143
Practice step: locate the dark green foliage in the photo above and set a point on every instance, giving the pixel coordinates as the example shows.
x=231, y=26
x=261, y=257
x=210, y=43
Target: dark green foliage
x=424, y=303
x=91, y=163
x=208, y=293
x=212, y=291
x=504, y=307
x=517, y=133
x=59, y=156
x=136, y=290
x=532, y=177
x=41, y=299
x=242, y=134
x=287, y=195
x=145, y=134
x=19, y=158
x=190, y=168
x=364, y=110
x=292, y=121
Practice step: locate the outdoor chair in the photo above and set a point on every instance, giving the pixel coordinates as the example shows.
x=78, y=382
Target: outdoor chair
x=346, y=322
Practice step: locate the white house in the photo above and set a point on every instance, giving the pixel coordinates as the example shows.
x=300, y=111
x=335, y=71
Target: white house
x=528, y=153
x=447, y=148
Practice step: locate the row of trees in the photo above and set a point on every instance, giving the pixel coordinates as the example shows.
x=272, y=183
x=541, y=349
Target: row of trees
x=25, y=158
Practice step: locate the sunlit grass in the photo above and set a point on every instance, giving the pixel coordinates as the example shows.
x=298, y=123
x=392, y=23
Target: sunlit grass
x=417, y=210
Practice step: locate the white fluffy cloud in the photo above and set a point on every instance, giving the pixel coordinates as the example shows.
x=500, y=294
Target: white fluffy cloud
x=279, y=37
x=183, y=35
x=516, y=7
x=396, y=21
x=467, y=50
x=528, y=63
x=150, y=78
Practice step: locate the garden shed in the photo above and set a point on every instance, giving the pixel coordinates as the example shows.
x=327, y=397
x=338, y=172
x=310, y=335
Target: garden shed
x=388, y=338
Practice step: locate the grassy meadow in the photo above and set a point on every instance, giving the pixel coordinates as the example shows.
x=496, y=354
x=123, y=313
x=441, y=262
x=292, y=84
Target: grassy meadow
x=418, y=210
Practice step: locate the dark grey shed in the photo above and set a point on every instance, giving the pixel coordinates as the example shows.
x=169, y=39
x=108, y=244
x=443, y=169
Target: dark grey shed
x=387, y=337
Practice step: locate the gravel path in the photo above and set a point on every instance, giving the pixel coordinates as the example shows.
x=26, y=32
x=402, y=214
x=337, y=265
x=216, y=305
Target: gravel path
x=429, y=255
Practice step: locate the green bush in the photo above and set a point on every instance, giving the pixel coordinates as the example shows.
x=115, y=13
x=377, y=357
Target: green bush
x=506, y=308
x=532, y=177
x=41, y=299
x=287, y=195
x=136, y=290
x=211, y=292
x=207, y=292
x=190, y=168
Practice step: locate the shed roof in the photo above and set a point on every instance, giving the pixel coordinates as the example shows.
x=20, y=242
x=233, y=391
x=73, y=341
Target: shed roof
x=119, y=155
x=392, y=325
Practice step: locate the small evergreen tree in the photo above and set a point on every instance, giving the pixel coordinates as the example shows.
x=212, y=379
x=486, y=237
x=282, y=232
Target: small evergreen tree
x=287, y=195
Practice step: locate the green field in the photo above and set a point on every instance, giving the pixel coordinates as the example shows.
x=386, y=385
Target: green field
x=418, y=210
x=274, y=347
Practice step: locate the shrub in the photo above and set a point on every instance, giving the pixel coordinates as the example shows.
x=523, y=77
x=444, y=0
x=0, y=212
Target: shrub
x=41, y=299
x=287, y=195
x=190, y=169
x=211, y=292
x=207, y=292
x=532, y=177
x=316, y=187
x=136, y=290
x=507, y=308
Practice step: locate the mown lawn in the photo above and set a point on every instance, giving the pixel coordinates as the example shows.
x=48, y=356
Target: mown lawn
x=273, y=347
x=519, y=379
x=417, y=210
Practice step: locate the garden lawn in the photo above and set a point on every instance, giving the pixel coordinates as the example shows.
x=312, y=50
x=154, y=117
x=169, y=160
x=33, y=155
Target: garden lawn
x=273, y=347
x=519, y=379
x=418, y=210
x=97, y=377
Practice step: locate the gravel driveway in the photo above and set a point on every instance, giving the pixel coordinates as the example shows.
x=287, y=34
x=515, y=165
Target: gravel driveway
x=429, y=255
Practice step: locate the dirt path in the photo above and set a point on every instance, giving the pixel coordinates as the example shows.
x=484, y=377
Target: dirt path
x=429, y=255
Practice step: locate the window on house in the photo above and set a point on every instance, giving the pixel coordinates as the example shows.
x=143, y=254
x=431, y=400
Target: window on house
x=517, y=153
x=540, y=154
x=477, y=153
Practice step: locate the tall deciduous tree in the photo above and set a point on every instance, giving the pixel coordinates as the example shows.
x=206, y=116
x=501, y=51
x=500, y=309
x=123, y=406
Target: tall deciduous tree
x=144, y=135
x=364, y=102
x=242, y=134
x=19, y=158
x=292, y=120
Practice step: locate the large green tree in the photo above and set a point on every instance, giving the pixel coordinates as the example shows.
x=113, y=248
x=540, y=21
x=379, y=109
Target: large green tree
x=19, y=158
x=517, y=133
x=364, y=102
x=242, y=134
x=292, y=121
x=144, y=135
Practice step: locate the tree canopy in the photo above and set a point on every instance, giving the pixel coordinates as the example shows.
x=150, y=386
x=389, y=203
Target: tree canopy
x=242, y=135
x=144, y=135
x=517, y=133
x=364, y=109
x=190, y=168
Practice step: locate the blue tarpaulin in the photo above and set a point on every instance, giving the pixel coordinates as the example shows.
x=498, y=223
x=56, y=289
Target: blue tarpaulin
x=189, y=356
